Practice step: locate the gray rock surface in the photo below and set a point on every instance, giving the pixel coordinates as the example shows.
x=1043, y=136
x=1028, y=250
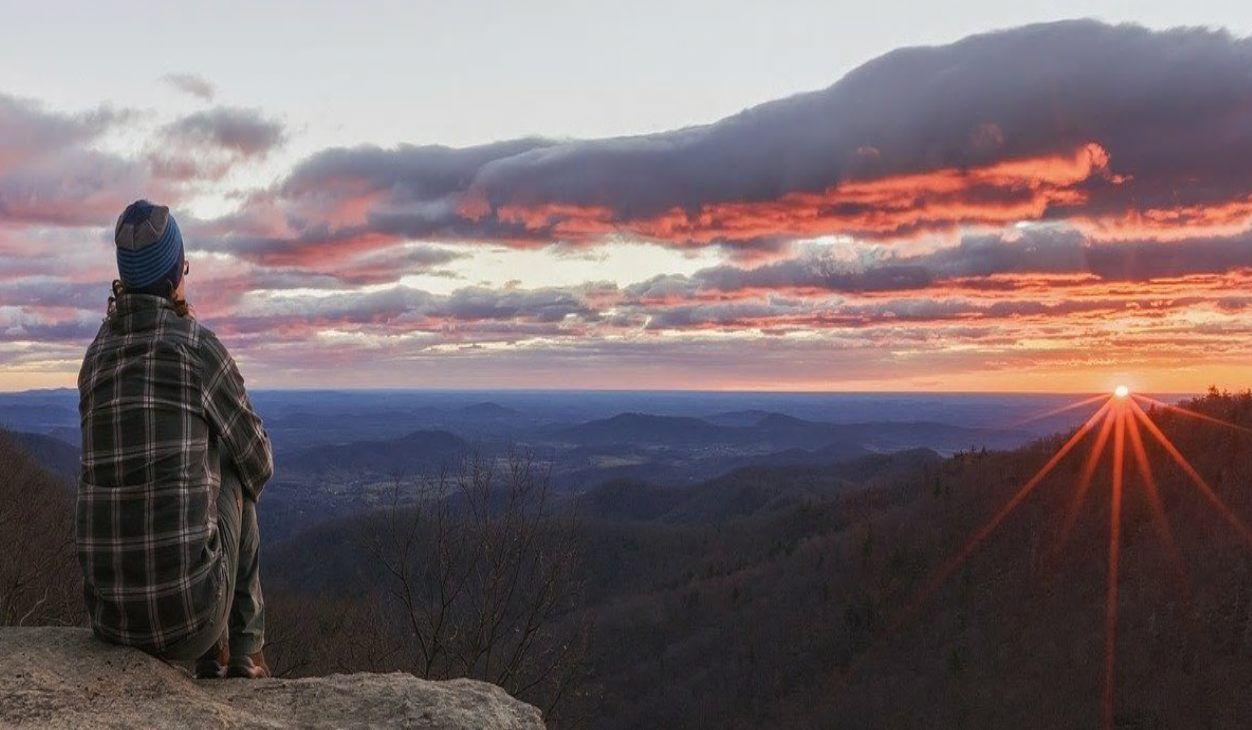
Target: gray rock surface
x=62, y=677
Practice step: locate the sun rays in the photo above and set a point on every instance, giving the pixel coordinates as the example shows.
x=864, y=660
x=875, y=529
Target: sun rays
x=1190, y=413
x=1115, y=547
x=1122, y=420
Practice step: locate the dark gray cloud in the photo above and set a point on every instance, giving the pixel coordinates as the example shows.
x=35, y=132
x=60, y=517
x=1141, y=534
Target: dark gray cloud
x=429, y=172
x=1166, y=113
x=1063, y=251
x=1034, y=251
x=207, y=144
x=404, y=308
x=346, y=200
x=389, y=265
x=808, y=315
x=245, y=132
x=1167, y=106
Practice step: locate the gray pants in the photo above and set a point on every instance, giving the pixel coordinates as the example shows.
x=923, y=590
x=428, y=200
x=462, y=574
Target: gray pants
x=240, y=617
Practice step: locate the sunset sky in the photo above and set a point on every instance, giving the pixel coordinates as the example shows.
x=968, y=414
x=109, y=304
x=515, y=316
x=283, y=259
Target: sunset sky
x=689, y=195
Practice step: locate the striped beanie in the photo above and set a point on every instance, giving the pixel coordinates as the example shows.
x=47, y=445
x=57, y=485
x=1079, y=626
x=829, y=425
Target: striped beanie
x=149, y=248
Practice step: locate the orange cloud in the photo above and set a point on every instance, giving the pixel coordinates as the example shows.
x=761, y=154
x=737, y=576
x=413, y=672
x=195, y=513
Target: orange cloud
x=1175, y=223
x=995, y=194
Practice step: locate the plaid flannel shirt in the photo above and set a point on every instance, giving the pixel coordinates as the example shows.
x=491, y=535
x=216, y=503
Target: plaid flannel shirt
x=159, y=396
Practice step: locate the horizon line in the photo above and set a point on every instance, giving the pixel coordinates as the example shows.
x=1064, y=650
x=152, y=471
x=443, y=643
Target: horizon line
x=706, y=391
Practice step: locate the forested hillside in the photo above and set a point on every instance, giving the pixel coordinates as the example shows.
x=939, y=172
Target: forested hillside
x=778, y=595
x=39, y=582
x=787, y=595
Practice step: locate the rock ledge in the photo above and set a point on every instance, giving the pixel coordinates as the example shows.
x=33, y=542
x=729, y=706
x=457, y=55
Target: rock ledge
x=65, y=678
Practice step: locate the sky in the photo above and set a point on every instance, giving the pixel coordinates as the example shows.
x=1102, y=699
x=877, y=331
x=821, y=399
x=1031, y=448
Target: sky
x=800, y=196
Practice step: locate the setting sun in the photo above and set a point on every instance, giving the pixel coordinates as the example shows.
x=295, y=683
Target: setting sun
x=1121, y=391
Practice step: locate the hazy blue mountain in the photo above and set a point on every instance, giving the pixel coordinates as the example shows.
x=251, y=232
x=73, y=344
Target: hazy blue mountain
x=776, y=431
x=750, y=417
x=416, y=451
x=487, y=409
x=303, y=418
x=336, y=451
x=634, y=428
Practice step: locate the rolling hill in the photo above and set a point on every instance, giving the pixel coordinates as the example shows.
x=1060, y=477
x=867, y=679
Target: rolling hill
x=414, y=452
x=57, y=456
x=766, y=431
x=795, y=596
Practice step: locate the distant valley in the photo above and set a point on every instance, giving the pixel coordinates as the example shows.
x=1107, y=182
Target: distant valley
x=342, y=452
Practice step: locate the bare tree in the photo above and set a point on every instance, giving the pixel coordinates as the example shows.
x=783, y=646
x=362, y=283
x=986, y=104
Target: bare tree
x=481, y=570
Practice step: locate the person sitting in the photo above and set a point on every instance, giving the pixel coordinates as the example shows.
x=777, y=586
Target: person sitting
x=174, y=458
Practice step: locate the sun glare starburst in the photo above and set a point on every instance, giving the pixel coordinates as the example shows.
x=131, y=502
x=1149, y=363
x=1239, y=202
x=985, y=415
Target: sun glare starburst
x=1121, y=420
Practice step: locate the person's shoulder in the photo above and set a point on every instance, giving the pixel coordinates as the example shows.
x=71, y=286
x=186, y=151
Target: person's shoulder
x=201, y=331
x=211, y=348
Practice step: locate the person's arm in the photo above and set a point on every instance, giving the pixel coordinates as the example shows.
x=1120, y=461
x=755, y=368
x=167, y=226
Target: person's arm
x=232, y=417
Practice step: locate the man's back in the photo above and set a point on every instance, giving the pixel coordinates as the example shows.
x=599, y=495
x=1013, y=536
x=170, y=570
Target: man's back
x=159, y=396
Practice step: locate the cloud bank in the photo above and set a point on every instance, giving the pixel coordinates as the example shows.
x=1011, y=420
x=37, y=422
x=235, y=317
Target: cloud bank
x=1126, y=130
x=1066, y=197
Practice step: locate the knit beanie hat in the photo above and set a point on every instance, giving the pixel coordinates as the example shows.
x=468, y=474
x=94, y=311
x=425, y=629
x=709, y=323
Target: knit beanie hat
x=149, y=247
